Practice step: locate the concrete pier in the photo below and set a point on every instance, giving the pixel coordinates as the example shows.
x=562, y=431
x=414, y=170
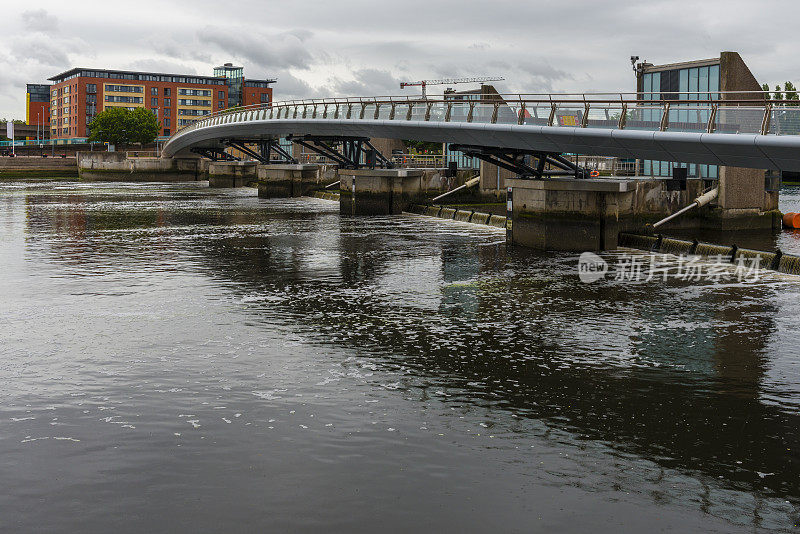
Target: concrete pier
x=116, y=167
x=584, y=215
x=378, y=191
x=283, y=181
x=232, y=173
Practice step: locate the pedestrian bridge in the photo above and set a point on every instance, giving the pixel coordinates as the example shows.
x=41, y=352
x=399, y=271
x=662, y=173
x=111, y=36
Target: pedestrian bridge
x=732, y=129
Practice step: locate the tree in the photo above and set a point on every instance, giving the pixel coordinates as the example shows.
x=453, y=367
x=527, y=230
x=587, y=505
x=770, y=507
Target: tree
x=788, y=97
x=121, y=126
x=3, y=127
x=144, y=126
x=419, y=146
x=790, y=92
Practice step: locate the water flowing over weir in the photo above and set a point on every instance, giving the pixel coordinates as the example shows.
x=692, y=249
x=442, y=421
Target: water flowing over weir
x=182, y=358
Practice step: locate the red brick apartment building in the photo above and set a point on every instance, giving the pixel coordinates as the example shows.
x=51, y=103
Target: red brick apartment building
x=178, y=100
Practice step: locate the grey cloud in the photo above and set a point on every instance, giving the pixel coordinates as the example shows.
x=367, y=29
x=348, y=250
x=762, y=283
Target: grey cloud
x=39, y=20
x=277, y=51
x=40, y=50
x=367, y=82
x=161, y=65
x=292, y=87
x=177, y=47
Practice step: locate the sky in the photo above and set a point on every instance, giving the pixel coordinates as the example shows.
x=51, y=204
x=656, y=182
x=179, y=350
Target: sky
x=357, y=48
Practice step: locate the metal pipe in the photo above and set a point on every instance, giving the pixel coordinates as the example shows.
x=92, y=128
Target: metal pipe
x=700, y=201
x=468, y=183
x=331, y=185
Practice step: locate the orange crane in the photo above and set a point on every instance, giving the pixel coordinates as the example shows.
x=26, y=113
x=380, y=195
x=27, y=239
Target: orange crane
x=425, y=83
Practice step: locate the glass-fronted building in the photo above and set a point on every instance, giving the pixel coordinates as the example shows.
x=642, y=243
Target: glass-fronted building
x=695, y=80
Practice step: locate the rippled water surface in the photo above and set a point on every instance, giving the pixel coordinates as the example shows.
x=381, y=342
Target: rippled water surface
x=179, y=359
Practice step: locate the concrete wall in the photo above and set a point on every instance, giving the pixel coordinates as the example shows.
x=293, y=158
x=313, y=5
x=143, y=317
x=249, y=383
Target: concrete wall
x=741, y=188
x=490, y=175
x=735, y=75
x=115, y=167
x=38, y=167
x=385, y=146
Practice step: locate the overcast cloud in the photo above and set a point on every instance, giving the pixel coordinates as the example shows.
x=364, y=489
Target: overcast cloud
x=366, y=48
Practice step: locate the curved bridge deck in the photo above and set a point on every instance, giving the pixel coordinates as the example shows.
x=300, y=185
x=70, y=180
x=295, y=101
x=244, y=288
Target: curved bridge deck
x=721, y=128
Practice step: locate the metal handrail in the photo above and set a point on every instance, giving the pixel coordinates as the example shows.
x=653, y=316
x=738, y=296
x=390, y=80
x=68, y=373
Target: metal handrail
x=667, y=103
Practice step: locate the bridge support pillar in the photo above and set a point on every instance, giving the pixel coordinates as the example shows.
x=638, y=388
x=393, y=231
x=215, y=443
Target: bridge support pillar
x=568, y=214
x=290, y=180
x=588, y=215
x=378, y=191
x=231, y=173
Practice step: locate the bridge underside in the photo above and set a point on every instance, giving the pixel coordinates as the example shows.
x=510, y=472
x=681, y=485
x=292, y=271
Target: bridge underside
x=735, y=150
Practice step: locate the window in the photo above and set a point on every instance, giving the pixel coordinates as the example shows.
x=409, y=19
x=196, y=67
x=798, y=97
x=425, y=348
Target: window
x=220, y=104
x=91, y=88
x=125, y=99
x=154, y=101
x=221, y=95
x=167, y=101
x=167, y=112
x=265, y=98
x=193, y=112
x=191, y=102
x=194, y=92
x=167, y=91
x=166, y=131
x=125, y=88
x=166, y=123
x=154, y=91
x=91, y=99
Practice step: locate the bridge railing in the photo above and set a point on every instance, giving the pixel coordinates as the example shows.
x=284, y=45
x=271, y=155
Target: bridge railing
x=732, y=112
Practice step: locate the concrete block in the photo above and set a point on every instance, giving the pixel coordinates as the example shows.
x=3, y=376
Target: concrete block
x=232, y=173
x=433, y=211
x=462, y=216
x=378, y=191
x=498, y=221
x=283, y=181
x=447, y=213
x=480, y=218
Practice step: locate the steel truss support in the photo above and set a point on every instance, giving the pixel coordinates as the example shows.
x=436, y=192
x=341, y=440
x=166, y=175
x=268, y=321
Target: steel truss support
x=352, y=148
x=264, y=152
x=214, y=154
x=525, y=163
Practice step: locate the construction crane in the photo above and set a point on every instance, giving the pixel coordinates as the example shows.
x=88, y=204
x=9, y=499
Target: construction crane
x=425, y=83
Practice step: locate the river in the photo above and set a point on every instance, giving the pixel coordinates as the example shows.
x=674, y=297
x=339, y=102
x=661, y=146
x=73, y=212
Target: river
x=180, y=359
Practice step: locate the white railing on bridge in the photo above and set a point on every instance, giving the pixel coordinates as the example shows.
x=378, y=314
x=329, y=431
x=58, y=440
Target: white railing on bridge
x=720, y=112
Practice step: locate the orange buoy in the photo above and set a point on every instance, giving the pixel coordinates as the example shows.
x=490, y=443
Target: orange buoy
x=594, y=174
x=791, y=220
